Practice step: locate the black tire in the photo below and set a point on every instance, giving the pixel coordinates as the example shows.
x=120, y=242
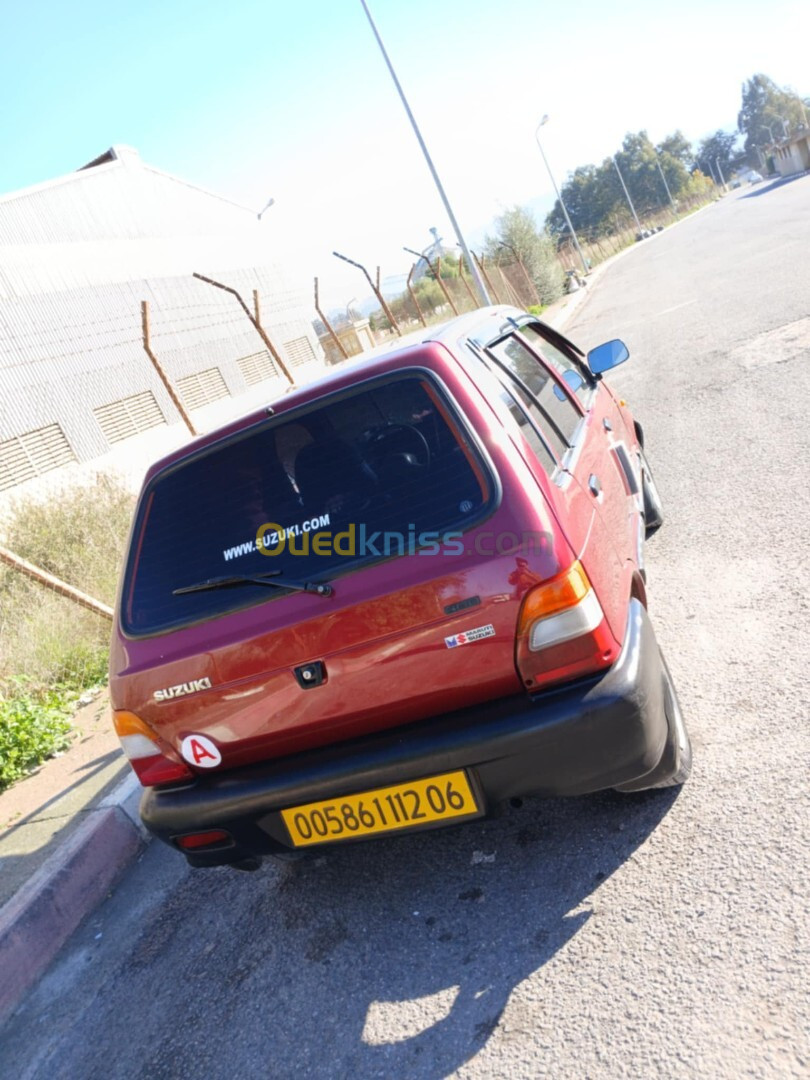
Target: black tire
x=653, y=507
x=675, y=765
x=678, y=740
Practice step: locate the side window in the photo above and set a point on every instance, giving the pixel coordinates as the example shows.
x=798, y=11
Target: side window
x=562, y=364
x=497, y=383
x=557, y=416
x=541, y=451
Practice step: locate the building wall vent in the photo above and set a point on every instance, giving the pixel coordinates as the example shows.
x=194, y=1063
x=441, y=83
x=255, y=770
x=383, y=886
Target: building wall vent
x=37, y=452
x=300, y=351
x=202, y=388
x=131, y=415
x=257, y=367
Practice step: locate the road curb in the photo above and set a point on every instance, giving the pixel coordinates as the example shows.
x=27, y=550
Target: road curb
x=36, y=922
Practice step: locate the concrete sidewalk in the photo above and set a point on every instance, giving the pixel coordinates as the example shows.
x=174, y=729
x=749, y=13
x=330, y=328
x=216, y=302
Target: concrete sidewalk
x=67, y=832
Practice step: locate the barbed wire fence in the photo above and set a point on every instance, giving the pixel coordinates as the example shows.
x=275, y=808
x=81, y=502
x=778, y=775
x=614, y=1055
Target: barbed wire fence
x=194, y=350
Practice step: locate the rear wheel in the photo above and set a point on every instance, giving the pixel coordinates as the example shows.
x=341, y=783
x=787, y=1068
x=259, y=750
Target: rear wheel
x=678, y=741
x=675, y=764
x=653, y=507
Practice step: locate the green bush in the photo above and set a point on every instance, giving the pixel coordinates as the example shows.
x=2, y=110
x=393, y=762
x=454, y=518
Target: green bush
x=50, y=649
x=34, y=725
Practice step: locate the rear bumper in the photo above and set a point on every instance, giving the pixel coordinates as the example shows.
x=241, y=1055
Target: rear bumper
x=598, y=733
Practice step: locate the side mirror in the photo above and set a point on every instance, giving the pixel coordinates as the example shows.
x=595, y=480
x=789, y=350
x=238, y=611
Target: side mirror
x=608, y=355
x=574, y=380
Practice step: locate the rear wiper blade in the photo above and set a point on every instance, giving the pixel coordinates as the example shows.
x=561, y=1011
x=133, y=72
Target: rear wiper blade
x=273, y=579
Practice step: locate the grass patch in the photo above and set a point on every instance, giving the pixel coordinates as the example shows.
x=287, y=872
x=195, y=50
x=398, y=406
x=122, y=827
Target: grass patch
x=51, y=649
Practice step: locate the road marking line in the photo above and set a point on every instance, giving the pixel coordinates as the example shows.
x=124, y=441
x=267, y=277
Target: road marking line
x=677, y=307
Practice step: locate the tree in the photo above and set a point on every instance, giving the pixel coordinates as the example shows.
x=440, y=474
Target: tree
x=638, y=161
x=447, y=271
x=590, y=194
x=678, y=147
x=516, y=229
x=766, y=111
x=720, y=147
x=594, y=196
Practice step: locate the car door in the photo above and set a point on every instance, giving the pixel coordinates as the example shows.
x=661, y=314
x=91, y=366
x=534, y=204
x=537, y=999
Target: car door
x=588, y=488
x=604, y=456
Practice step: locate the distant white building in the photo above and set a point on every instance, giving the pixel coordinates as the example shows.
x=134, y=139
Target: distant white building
x=77, y=256
x=792, y=155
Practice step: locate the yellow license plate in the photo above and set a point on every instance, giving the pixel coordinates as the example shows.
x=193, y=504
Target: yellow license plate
x=404, y=806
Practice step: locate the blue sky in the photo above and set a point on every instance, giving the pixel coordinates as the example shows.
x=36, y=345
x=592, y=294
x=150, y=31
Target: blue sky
x=293, y=100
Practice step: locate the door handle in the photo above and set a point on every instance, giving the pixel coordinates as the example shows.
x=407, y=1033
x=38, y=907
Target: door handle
x=594, y=485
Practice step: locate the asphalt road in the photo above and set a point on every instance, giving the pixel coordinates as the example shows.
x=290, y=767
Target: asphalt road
x=658, y=936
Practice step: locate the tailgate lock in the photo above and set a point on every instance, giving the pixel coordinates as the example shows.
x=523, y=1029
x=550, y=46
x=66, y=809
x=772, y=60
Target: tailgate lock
x=309, y=675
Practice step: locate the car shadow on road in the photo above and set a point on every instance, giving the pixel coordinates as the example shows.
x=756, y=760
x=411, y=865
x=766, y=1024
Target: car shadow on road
x=778, y=183
x=396, y=958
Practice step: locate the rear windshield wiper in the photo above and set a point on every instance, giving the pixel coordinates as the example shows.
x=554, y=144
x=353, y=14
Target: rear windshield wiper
x=273, y=579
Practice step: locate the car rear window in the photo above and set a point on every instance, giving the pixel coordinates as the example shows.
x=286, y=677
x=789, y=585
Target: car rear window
x=387, y=469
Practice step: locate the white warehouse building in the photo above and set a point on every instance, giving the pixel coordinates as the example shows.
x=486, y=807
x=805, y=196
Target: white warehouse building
x=78, y=255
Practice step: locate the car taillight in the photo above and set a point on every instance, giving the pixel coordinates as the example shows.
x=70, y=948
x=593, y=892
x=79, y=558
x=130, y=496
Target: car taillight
x=562, y=631
x=153, y=760
x=212, y=838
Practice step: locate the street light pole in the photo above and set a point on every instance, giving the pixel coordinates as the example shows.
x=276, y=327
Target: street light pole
x=266, y=206
x=482, y=289
x=582, y=258
x=627, y=196
x=666, y=185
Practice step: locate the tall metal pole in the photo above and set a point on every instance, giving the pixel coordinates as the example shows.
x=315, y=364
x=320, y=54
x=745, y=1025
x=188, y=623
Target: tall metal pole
x=720, y=172
x=456, y=229
x=582, y=258
x=666, y=185
x=627, y=196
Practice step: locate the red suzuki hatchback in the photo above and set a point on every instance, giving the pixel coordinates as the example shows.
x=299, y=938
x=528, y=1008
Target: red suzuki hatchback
x=395, y=598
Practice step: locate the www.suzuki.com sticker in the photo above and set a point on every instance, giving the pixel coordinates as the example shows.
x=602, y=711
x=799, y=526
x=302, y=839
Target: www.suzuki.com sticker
x=468, y=636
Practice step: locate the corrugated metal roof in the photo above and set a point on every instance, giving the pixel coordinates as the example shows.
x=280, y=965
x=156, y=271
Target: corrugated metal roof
x=124, y=197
